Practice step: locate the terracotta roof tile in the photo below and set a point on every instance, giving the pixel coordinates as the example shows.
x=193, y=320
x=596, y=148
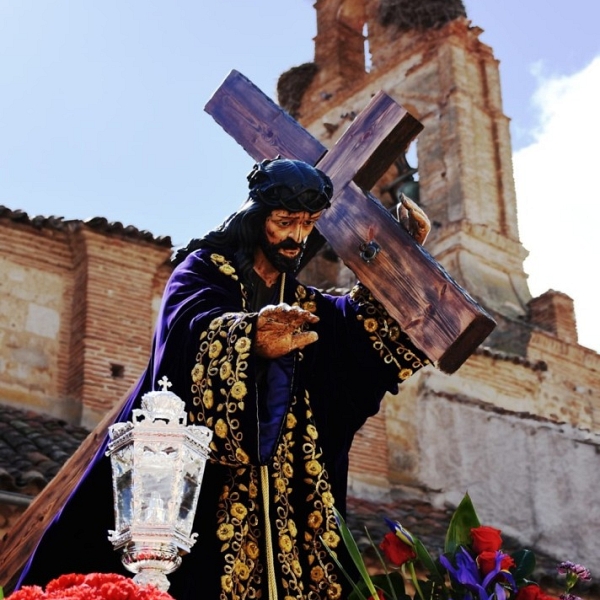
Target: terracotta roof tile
x=114, y=228
x=33, y=447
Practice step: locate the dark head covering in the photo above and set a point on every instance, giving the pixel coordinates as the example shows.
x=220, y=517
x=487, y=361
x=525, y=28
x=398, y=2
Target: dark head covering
x=282, y=183
x=293, y=185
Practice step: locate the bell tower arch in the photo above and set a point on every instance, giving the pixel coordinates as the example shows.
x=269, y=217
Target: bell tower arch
x=428, y=56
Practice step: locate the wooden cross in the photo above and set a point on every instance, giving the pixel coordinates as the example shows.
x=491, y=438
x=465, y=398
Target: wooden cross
x=438, y=315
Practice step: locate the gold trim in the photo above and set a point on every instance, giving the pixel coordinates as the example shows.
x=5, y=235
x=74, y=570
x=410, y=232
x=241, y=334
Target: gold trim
x=282, y=289
x=264, y=481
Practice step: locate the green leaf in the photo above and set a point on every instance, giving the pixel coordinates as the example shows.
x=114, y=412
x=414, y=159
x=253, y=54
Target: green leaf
x=354, y=552
x=1, y=593
x=525, y=564
x=427, y=561
x=459, y=530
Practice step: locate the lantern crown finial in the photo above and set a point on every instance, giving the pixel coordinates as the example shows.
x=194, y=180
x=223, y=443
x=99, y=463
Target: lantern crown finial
x=164, y=383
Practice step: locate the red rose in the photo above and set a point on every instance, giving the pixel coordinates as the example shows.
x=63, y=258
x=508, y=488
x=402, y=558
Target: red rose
x=487, y=561
x=395, y=550
x=486, y=538
x=380, y=596
x=532, y=592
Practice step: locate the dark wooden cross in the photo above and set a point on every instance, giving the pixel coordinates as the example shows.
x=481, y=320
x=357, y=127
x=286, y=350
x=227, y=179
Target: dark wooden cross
x=438, y=315
x=441, y=319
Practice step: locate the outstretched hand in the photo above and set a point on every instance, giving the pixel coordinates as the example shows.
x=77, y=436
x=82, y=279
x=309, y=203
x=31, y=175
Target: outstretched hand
x=413, y=219
x=280, y=330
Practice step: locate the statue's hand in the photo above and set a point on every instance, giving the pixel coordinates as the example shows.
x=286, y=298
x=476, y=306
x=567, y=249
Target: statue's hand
x=279, y=330
x=413, y=219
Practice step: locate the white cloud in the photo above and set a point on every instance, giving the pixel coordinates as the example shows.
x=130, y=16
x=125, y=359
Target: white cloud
x=558, y=191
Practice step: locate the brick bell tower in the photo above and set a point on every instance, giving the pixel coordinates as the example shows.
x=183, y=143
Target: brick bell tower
x=427, y=55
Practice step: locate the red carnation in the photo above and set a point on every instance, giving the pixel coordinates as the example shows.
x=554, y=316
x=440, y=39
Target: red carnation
x=94, y=586
x=486, y=539
x=395, y=550
x=532, y=592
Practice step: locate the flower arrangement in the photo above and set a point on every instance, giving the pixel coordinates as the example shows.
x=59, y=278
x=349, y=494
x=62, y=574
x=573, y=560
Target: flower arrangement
x=473, y=565
x=94, y=586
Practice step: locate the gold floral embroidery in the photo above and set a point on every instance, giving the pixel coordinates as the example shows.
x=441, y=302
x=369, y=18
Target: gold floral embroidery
x=221, y=390
x=321, y=519
x=224, y=371
x=227, y=269
x=327, y=498
x=242, y=345
x=285, y=543
x=238, y=390
x=221, y=428
x=334, y=592
x=392, y=344
x=225, y=532
x=215, y=349
x=224, y=265
x=405, y=374
x=197, y=373
x=309, y=306
x=312, y=467
x=242, y=456
x=252, y=550
x=370, y=325
x=207, y=399
x=219, y=383
x=331, y=538
x=226, y=583
x=312, y=431
x=238, y=510
x=239, y=528
x=315, y=519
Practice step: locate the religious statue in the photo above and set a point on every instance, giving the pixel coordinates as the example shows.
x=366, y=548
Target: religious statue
x=284, y=375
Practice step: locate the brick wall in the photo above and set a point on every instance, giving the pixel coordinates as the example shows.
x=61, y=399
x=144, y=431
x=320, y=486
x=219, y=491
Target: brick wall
x=77, y=307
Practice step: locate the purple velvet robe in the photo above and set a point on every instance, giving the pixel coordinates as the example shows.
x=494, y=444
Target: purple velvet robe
x=282, y=434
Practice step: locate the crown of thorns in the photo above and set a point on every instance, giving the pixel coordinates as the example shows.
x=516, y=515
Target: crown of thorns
x=290, y=184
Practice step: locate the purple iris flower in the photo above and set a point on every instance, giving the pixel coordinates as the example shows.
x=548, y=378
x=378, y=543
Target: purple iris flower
x=467, y=573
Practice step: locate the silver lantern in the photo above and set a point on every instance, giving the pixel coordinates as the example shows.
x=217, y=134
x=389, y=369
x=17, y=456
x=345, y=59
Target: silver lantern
x=157, y=468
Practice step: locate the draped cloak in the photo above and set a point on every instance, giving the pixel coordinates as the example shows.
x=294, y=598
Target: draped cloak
x=282, y=433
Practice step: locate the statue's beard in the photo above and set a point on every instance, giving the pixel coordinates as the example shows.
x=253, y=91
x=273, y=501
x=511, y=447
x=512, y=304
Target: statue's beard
x=284, y=264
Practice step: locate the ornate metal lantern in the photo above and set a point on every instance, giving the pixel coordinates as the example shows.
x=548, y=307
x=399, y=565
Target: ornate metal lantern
x=157, y=468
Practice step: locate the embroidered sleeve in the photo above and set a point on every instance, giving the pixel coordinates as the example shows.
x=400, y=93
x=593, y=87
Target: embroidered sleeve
x=221, y=397
x=387, y=338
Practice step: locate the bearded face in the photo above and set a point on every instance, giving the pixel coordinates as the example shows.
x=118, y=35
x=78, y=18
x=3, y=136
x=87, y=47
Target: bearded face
x=283, y=238
x=280, y=254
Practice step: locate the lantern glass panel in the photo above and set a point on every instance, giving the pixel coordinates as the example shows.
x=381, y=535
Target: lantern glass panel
x=123, y=484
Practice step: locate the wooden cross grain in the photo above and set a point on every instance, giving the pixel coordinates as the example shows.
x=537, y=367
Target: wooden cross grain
x=438, y=315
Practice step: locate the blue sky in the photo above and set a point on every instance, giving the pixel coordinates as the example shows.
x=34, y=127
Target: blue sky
x=101, y=114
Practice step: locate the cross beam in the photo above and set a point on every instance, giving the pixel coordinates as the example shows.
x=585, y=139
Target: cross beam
x=438, y=315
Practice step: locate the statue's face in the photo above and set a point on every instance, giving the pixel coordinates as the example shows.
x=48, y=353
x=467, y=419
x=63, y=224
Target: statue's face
x=285, y=237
